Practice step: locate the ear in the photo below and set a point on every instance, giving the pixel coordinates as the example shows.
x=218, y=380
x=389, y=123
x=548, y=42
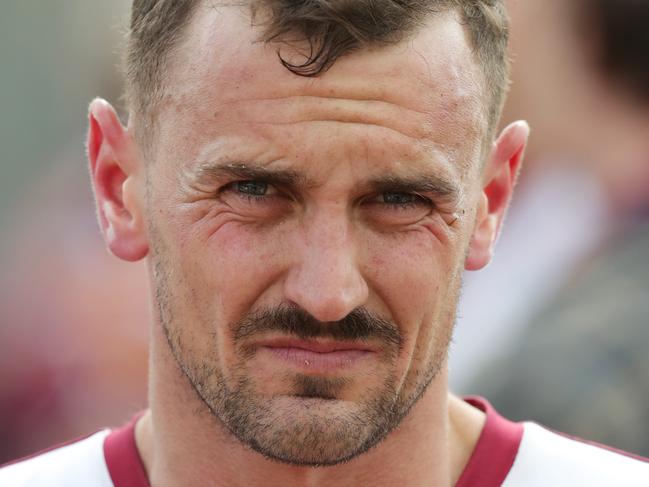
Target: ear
x=116, y=174
x=498, y=181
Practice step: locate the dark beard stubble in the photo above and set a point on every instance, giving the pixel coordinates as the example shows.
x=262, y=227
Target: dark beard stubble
x=314, y=428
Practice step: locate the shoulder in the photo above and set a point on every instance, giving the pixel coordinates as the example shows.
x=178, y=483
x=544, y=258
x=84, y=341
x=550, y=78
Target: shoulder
x=549, y=459
x=75, y=464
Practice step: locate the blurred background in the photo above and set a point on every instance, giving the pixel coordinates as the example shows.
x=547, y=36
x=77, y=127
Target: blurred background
x=73, y=319
x=554, y=330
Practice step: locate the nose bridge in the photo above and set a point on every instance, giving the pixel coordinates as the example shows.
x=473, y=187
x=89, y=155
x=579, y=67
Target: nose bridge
x=326, y=280
x=329, y=231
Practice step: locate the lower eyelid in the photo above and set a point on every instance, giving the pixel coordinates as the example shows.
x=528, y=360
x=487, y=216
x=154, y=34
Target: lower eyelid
x=417, y=203
x=404, y=206
x=273, y=199
x=252, y=197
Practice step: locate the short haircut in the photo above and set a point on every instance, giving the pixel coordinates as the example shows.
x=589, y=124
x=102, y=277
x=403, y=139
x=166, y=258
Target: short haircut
x=332, y=29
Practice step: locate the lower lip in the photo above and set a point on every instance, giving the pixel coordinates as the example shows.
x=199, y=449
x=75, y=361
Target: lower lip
x=317, y=361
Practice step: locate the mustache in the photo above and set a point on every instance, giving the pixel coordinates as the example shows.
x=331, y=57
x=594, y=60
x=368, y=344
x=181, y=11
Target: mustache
x=359, y=324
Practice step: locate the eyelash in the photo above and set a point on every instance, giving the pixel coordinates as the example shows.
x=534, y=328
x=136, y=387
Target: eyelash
x=417, y=201
x=249, y=197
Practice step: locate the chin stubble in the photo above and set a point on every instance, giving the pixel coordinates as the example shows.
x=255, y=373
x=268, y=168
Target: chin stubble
x=311, y=427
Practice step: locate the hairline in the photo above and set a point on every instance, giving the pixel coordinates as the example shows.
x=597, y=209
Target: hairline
x=143, y=116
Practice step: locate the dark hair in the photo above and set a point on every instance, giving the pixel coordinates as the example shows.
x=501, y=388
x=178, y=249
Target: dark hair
x=622, y=35
x=332, y=29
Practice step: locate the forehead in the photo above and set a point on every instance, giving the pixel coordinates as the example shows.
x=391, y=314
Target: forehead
x=427, y=87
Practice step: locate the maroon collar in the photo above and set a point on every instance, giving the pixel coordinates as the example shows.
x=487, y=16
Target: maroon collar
x=496, y=450
x=489, y=465
x=122, y=458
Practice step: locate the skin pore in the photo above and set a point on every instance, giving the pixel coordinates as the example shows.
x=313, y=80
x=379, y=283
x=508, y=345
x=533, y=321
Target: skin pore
x=346, y=207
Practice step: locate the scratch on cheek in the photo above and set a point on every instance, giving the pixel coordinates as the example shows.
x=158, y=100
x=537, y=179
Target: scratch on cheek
x=456, y=216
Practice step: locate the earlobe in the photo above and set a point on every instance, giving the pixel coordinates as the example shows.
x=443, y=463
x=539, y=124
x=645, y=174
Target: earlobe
x=498, y=184
x=114, y=170
x=481, y=246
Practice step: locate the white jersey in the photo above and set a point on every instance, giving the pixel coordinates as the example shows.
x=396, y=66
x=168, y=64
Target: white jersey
x=507, y=455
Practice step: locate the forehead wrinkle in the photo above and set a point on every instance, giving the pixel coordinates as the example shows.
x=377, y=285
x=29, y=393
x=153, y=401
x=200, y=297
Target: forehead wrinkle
x=326, y=97
x=332, y=91
x=445, y=102
x=443, y=129
x=298, y=109
x=220, y=71
x=269, y=146
x=413, y=139
x=242, y=66
x=352, y=89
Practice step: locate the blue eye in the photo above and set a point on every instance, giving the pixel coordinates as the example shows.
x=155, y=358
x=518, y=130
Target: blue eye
x=400, y=198
x=252, y=188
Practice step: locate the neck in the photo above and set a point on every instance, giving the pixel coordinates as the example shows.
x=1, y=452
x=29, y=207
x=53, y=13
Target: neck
x=182, y=443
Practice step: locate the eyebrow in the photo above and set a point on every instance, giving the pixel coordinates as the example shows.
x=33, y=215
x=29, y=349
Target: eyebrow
x=422, y=183
x=281, y=177
x=429, y=183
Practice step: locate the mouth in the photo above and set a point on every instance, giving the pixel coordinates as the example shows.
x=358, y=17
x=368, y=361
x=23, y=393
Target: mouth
x=317, y=356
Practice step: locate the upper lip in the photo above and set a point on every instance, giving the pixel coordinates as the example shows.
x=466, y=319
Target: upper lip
x=316, y=345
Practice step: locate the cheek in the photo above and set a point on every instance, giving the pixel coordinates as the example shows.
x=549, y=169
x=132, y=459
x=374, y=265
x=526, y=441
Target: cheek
x=416, y=276
x=215, y=278
x=234, y=266
x=409, y=271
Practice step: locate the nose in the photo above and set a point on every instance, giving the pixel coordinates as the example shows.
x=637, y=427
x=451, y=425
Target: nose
x=325, y=279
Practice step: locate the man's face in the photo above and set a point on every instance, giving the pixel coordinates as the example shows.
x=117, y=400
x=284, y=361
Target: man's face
x=308, y=235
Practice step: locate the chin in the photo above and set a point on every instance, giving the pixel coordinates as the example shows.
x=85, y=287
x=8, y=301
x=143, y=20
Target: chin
x=313, y=422
x=310, y=431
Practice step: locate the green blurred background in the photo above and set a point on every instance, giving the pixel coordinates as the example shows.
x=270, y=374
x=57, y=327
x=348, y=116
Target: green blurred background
x=54, y=57
x=72, y=319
